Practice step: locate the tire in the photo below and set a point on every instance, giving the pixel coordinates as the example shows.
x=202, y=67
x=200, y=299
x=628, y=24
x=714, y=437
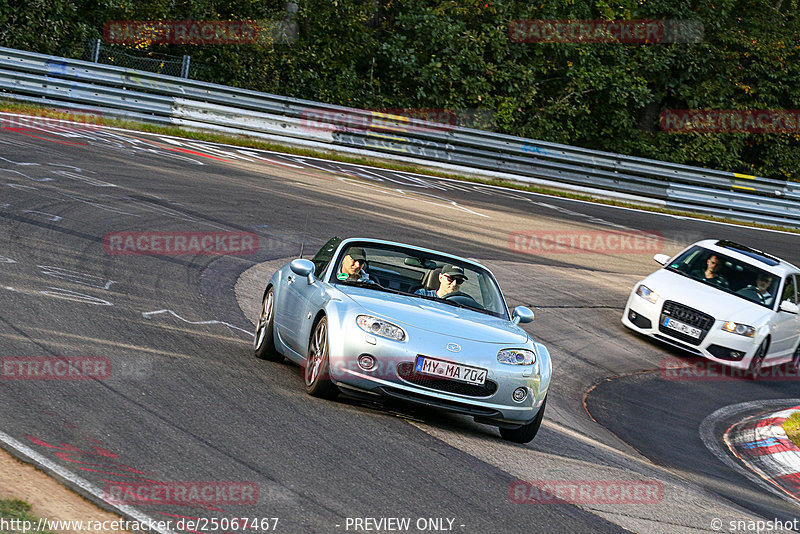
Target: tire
x=317, y=368
x=758, y=361
x=525, y=433
x=264, y=342
x=794, y=365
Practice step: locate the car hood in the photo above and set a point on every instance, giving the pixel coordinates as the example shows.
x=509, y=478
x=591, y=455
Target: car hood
x=436, y=317
x=721, y=305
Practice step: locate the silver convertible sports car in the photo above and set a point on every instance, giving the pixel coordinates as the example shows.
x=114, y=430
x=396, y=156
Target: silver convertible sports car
x=372, y=318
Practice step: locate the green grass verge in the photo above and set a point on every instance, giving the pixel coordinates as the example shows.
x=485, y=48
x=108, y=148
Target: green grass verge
x=250, y=142
x=792, y=428
x=15, y=515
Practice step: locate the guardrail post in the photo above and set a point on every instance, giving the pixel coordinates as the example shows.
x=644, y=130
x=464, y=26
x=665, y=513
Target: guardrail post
x=185, y=66
x=96, y=51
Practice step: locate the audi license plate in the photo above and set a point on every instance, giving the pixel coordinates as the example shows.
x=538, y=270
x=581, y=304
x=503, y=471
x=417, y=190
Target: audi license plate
x=450, y=370
x=683, y=328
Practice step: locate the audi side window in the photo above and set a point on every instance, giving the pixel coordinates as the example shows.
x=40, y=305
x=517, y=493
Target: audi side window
x=789, y=290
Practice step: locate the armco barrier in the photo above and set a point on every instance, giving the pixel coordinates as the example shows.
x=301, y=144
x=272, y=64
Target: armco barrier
x=126, y=93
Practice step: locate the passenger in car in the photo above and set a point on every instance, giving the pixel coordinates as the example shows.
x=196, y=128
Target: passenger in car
x=450, y=280
x=711, y=273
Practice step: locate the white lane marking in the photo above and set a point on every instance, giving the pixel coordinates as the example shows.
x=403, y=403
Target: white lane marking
x=710, y=440
x=77, y=277
x=53, y=468
x=26, y=176
x=85, y=179
x=256, y=156
x=4, y=259
x=74, y=296
x=148, y=315
x=48, y=216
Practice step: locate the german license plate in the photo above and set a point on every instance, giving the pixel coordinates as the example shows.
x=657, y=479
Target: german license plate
x=450, y=370
x=683, y=328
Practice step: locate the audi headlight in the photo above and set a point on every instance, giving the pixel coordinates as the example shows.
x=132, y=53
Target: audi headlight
x=379, y=327
x=739, y=328
x=516, y=356
x=646, y=293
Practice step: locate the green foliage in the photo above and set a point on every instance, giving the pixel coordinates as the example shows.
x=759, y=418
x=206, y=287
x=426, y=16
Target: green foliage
x=457, y=54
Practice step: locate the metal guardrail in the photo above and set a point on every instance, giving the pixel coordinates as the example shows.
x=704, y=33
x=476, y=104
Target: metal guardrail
x=146, y=96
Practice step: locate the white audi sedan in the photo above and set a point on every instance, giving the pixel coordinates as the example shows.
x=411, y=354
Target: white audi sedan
x=723, y=301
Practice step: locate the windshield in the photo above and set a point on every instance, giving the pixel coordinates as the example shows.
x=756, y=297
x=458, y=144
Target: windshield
x=422, y=275
x=727, y=274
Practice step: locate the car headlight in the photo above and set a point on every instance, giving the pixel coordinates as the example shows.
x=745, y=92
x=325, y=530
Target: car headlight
x=647, y=293
x=382, y=328
x=739, y=328
x=516, y=356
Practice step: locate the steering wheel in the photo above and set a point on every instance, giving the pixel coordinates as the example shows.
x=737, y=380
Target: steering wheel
x=463, y=298
x=750, y=292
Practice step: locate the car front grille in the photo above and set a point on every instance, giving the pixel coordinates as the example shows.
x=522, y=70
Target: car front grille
x=686, y=315
x=406, y=371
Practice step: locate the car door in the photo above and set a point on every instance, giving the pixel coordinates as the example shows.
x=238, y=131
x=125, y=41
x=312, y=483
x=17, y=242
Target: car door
x=785, y=325
x=291, y=309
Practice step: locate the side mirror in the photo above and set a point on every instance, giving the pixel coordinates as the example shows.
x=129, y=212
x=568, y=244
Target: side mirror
x=521, y=314
x=789, y=307
x=303, y=268
x=661, y=258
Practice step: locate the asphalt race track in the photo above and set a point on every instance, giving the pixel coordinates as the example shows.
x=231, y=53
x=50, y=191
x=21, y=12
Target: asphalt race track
x=184, y=400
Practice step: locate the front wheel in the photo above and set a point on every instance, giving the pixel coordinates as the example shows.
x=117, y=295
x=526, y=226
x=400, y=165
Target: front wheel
x=525, y=433
x=758, y=361
x=317, y=371
x=794, y=365
x=264, y=342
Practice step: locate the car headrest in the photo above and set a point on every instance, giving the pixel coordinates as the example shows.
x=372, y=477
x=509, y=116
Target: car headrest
x=431, y=279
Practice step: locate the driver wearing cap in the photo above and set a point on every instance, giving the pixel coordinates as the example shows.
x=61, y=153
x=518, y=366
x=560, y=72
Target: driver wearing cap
x=450, y=280
x=352, y=268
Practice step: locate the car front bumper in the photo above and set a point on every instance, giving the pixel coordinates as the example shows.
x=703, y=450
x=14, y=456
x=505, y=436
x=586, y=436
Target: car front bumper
x=716, y=344
x=394, y=376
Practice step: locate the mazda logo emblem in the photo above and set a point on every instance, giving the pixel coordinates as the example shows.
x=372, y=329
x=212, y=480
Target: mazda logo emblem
x=454, y=347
